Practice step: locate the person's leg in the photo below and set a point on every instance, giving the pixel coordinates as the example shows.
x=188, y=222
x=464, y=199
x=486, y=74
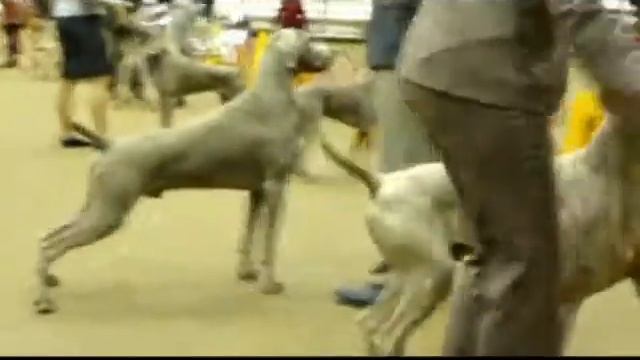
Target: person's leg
x=97, y=70
x=87, y=63
x=7, y=36
x=65, y=106
x=18, y=40
x=500, y=163
x=208, y=9
x=99, y=102
x=12, y=34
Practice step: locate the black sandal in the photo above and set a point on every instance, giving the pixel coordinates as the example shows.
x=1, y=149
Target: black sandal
x=71, y=141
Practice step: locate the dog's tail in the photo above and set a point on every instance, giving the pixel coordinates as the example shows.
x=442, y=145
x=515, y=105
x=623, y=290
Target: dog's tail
x=96, y=140
x=368, y=179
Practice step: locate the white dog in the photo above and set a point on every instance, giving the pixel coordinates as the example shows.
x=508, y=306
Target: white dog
x=415, y=218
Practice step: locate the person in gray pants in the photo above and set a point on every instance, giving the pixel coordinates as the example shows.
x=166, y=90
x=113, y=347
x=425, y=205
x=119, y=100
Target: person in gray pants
x=485, y=76
x=404, y=138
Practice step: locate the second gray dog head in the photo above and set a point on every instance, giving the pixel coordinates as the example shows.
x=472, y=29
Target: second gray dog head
x=301, y=54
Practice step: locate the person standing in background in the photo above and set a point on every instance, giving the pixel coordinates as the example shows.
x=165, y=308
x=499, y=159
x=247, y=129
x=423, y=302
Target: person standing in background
x=405, y=141
x=85, y=61
x=208, y=9
x=13, y=21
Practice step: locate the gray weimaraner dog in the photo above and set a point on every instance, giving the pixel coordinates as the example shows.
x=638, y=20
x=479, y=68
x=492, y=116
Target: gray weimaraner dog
x=350, y=105
x=174, y=75
x=251, y=144
x=163, y=65
x=416, y=222
x=140, y=37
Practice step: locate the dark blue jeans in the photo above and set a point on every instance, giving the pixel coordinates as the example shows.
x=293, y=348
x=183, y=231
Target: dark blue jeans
x=386, y=31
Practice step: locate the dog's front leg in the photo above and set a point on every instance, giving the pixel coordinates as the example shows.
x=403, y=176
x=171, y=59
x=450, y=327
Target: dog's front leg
x=568, y=314
x=167, y=104
x=635, y=278
x=124, y=73
x=246, y=270
x=636, y=285
x=151, y=94
x=274, y=202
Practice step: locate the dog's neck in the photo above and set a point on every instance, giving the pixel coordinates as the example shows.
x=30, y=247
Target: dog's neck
x=604, y=151
x=615, y=148
x=277, y=81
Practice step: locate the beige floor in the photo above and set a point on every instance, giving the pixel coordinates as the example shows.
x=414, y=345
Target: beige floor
x=165, y=284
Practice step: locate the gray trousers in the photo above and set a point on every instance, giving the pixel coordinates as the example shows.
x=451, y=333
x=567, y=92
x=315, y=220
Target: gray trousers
x=499, y=161
x=405, y=141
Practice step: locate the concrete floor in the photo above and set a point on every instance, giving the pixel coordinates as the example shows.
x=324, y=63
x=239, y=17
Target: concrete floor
x=165, y=284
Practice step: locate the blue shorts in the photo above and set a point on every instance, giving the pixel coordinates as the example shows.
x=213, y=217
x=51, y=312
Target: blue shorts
x=84, y=49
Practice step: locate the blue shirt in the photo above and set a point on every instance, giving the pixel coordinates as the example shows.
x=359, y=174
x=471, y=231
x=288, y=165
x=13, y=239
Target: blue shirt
x=66, y=8
x=387, y=27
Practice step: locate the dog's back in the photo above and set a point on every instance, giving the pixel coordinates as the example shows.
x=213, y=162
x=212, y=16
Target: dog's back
x=351, y=105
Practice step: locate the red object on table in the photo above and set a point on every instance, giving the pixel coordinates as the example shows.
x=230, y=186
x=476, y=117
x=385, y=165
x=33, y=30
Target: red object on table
x=292, y=15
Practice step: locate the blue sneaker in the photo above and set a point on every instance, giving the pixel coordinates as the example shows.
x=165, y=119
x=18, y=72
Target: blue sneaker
x=359, y=298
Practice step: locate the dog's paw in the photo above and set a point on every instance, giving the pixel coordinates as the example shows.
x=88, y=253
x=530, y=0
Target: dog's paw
x=45, y=306
x=122, y=101
x=149, y=104
x=51, y=280
x=119, y=104
x=365, y=322
x=377, y=345
x=271, y=288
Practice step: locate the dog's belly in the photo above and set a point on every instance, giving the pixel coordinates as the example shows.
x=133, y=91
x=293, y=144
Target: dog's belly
x=240, y=178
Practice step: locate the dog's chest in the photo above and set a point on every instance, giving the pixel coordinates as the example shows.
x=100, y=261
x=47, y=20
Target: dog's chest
x=591, y=239
x=632, y=222
x=593, y=245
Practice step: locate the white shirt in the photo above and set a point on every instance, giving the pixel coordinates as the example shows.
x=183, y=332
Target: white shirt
x=66, y=8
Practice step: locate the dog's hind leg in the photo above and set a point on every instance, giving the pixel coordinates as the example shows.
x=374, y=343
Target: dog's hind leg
x=370, y=319
x=246, y=270
x=274, y=202
x=96, y=221
x=431, y=290
x=47, y=278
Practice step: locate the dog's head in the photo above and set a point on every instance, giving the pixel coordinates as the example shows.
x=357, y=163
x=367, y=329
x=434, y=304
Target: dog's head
x=299, y=53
